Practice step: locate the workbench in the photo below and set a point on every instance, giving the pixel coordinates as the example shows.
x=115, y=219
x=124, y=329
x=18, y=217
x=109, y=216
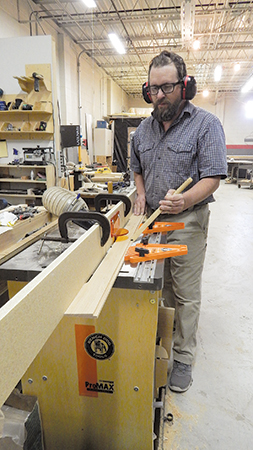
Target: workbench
x=235, y=169
x=15, y=239
x=81, y=334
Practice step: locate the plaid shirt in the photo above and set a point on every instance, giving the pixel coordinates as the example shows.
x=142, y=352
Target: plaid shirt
x=194, y=146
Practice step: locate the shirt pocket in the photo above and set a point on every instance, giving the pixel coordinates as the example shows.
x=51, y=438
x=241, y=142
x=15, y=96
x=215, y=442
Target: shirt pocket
x=146, y=153
x=182, y=158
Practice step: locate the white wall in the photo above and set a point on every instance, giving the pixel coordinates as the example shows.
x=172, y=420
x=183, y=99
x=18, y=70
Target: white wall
x=230, y=109
x=235, y=121
x=138, y=103
x=10, y=27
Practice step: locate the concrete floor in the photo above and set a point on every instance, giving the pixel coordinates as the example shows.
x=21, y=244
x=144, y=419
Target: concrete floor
x=216, y=413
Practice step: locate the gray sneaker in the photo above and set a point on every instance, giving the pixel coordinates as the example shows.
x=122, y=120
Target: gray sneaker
x=181, y=377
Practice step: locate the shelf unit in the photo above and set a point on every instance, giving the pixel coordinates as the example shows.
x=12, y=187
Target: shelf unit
x=16, y=183
x=25, y=124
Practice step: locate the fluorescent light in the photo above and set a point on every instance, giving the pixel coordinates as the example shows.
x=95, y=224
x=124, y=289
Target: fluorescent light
x=237, y=67
x=90, y=3
x=249, y=109
x=196, y=45
x=217, y=73
x=248, y=85
x=117, y=43
x=205, y=93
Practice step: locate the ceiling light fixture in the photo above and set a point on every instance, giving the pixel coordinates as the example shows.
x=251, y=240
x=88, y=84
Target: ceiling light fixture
x=196, y=44
x=89, y=3
x=237, y=67
x=217, y=73
x=117, y=43
x=248, y=85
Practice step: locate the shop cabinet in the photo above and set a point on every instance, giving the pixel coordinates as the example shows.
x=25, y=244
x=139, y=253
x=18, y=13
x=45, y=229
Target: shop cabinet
x=103, y=141
x=17, y=185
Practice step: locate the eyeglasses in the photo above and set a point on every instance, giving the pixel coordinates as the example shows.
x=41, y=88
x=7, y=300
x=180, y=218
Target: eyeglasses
x=166, y=88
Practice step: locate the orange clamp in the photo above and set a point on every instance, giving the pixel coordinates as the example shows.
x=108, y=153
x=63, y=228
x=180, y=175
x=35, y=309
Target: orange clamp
x=164, y=227
x=141, y=252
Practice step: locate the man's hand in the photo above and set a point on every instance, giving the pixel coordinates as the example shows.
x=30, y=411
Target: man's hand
x=140, y=205
x=172, y=203
x=176, y=203
x=140, y=202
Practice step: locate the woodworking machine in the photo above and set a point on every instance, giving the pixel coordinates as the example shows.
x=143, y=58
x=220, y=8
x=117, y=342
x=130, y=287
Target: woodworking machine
x=84, y=328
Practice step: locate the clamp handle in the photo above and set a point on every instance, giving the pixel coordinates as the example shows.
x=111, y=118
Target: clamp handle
x=113, y=198
x=142, y=251
x=81, y=218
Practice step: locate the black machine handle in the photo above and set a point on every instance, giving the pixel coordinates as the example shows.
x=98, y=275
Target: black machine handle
x=81, y=218
x=114, y=198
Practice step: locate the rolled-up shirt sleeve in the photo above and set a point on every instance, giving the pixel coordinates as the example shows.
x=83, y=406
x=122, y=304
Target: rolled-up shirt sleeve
x=135, y=163
x=212, y=159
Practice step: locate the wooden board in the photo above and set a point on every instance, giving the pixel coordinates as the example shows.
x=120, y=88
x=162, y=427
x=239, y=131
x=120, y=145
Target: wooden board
x=29, y=318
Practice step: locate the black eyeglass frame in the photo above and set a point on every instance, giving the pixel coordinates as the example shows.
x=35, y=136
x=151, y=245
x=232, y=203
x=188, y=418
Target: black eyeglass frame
x=162, y=88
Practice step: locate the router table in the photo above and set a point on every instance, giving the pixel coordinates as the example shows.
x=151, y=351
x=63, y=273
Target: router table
x=84, y=332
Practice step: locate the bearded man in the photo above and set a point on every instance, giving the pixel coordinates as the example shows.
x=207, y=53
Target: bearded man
x=178, y=141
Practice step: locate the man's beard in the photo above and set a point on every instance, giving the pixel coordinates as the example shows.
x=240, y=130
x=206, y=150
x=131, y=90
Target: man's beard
x=166, y=112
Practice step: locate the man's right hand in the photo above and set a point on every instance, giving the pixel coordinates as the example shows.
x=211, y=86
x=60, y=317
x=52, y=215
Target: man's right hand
x=140, y=205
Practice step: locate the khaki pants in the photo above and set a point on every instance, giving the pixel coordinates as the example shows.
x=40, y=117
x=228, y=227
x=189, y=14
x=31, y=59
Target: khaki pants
x=182, y=278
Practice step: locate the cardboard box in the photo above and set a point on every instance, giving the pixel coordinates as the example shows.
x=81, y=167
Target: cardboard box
x=20, y=423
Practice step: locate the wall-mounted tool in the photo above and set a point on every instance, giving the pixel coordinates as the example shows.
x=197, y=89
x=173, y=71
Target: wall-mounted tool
x=37, y=77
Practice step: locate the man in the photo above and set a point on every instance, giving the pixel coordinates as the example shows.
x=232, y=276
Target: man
x=176, y=142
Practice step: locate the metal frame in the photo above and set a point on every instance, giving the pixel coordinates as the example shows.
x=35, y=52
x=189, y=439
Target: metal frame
x=146, y=27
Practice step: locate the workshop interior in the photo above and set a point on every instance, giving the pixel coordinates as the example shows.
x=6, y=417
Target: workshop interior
x=85, y=337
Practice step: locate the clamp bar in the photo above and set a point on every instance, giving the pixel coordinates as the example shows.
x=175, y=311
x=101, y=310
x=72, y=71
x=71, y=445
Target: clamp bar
x=81, y=218
x=113, y=198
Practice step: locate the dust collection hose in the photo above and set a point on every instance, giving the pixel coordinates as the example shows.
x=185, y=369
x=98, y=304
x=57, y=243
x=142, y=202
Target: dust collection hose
x=58, y=200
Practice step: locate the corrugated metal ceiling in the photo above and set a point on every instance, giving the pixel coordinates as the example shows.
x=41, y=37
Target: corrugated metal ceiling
x=146, y=27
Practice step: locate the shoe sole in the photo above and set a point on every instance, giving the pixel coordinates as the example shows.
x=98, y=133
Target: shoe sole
x=178, y=389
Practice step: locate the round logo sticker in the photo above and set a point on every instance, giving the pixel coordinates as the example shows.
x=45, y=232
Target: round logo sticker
x=99, y=346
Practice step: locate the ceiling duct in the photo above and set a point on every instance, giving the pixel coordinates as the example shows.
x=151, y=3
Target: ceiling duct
x=187, y=20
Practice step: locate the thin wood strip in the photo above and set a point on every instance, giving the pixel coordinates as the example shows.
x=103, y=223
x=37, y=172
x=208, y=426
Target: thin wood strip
x=158, y=211
x=90, y=299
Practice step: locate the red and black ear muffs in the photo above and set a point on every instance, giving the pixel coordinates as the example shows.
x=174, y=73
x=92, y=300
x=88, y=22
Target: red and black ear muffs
x=189, y=89
x=145, y=93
